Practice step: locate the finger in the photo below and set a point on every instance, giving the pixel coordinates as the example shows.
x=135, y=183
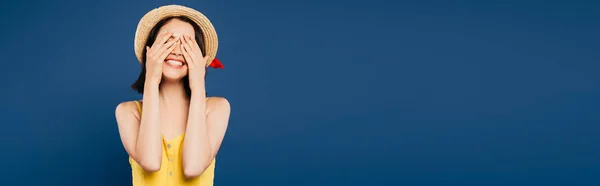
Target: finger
x=169, y=42
x=185, y=44
x=187, y=47
x=192, y=41
x=186, y=55
x=187, y=41
x=198, y=56
x=166, y=53
x=207, y=62
x=167, y=45
x=188, y=51
x=197, y=45
x=160, y=41
x=194, y=44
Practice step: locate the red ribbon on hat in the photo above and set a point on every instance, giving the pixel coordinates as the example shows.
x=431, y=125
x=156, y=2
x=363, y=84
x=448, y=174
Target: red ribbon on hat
x=216, y=63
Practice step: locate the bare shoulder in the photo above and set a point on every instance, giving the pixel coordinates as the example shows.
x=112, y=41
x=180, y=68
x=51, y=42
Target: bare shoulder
x=218, y=105
x=127, y=108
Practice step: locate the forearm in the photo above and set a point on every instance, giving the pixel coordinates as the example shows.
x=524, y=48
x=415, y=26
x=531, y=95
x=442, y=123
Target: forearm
x=196, y=145
x=148, y=144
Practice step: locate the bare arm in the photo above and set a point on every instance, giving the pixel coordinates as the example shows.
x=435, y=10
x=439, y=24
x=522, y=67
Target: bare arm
x=149, y=145
x=140, y=133
x=204, y=132
x=205, y=128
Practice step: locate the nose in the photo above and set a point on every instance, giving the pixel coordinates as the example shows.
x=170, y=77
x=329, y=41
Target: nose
x=176, y=54
x=177, y=50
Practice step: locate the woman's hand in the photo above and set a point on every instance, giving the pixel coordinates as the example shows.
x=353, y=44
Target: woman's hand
x=155, y=55
x=195, y=61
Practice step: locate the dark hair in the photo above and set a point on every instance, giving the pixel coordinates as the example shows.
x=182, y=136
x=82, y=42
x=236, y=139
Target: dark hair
x=138, y=86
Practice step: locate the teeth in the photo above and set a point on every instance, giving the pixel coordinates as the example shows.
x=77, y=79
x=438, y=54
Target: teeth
x=175, y=63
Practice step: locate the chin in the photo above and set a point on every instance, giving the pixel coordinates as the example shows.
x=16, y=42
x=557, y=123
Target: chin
x=172, y=77
x=174, y=74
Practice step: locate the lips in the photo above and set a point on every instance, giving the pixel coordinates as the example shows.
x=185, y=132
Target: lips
x=174, y=62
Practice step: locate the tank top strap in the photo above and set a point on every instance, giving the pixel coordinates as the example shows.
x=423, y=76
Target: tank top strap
x=138, y=106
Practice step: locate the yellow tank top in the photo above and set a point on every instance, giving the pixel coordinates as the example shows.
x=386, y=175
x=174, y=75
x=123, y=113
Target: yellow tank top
x=171, y=170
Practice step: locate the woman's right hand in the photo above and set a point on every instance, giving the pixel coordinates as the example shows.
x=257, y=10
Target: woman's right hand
x=155, y=55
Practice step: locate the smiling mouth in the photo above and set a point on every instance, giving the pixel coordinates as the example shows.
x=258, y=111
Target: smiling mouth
x=174, y=62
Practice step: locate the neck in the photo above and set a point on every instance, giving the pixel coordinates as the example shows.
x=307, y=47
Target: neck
x=172, y=92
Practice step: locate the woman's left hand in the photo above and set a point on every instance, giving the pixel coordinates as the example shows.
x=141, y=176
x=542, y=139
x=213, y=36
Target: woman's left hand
x=195, y=61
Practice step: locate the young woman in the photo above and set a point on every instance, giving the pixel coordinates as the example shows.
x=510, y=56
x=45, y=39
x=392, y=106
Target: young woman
x=173, y=134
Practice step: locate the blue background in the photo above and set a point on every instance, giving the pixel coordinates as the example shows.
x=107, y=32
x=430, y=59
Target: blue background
x=322, y=92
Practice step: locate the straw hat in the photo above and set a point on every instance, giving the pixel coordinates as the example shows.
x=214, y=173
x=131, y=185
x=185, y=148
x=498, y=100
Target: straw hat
x=149, y=20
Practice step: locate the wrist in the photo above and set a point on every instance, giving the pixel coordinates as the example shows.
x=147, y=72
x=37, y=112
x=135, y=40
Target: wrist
x=198, y=90
x=151, y=84
x=196, y=74
x=197, y=83
x=152, y=80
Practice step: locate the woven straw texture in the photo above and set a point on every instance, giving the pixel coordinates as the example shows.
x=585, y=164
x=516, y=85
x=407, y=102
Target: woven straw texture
x=154, y=16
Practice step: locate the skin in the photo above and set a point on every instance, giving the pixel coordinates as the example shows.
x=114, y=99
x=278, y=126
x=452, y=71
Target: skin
x=168, y=112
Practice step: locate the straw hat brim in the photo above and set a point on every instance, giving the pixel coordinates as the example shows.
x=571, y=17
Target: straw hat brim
x=150, y=19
